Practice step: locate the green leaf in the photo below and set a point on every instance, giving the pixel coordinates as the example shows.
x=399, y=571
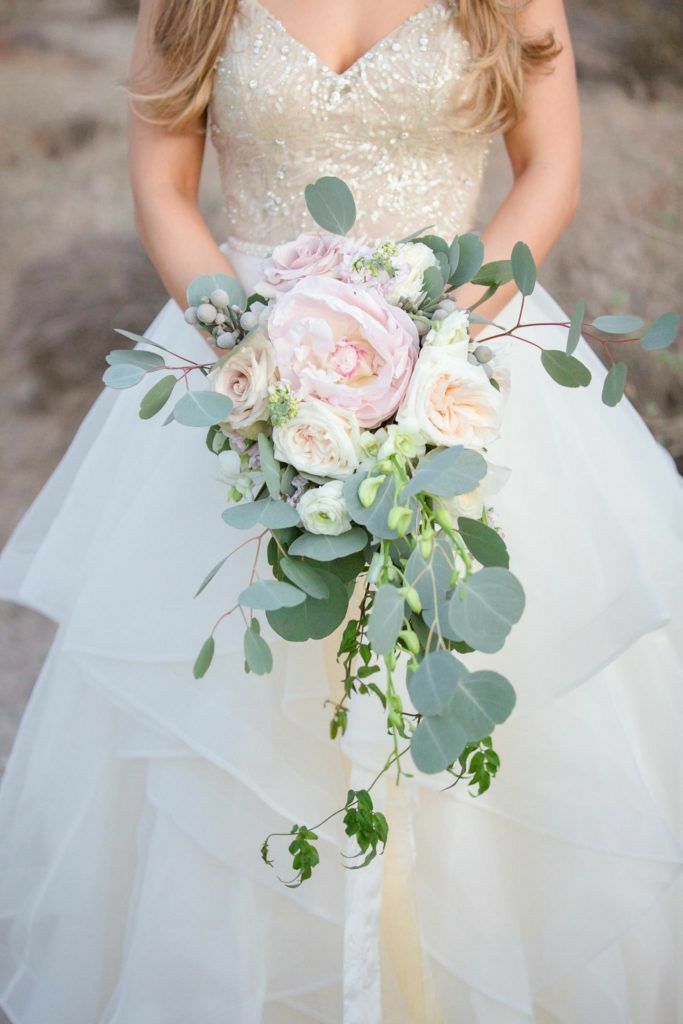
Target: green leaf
x=324, y=548
x=662, y=333
x=566, y=370
x=434, y=242
x=471, y=257
x=453, y=256
x=245, y=514
x=316, y=617
x=432, y=685
x=618, y=324
x=433, y=283
x=523, y=268
x=386, y=619
x=481, y=701
x=270, y=595
x=204, y=658
x=123, y=375
x=485, y=607
x=431, y=577
x=331, y=205
x=615, y=381
x=575, y=326
x=257, y=653
x=495, y=274
x=135, y=357
x=157, y=396
x=277, y=515
x=202, y=408
x=446, y=472
x=437, y=742
x=210, y=575
x=201, y=289
x=305, y=576
x=270, y=466
x=487, y=546
x=375, y=517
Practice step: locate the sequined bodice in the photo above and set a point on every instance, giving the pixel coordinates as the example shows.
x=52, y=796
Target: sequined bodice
x=280, y=118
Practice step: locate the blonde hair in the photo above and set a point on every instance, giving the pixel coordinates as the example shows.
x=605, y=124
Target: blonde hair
x=188, y=36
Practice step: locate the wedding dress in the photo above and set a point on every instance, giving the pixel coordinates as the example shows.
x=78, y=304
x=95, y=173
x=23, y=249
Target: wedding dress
x=136, y=798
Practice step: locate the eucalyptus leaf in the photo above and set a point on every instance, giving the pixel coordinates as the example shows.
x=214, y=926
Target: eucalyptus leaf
x=200, y=289
x=453, y=256
x=437, y=742
x=204, y=658
x=277, y=515
x=269, y=595
x=447, y=472
x=135, y=357
x=386, y=619
x=481, y=701
x=324, y=548
x=202, y=408
x=305, y=576
x=487, y=546
x=331, y=205
x=257, y=653
x=662, y=333
x=245, y=514
x=471, y=257
x=497, y=273
x=123, y=375
x=618, y=324
x=431, y=577
x=210, y=575
x=315, y=618
x=484, y=608
x=615, y=381
x=566, y=370
x=433, y=283
x=270, y=466
x=157, y=396
x=575, y=326
x=433, y=684
x=435, y=243
x=375, y=517
x=523, y=268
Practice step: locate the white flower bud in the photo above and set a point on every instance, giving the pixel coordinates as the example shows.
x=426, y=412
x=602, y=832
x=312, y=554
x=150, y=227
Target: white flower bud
x=440, y=313
x=206, y=313
x=221, y=318
x=448, y=305
x=220, y=298
x=483, y=353
x=190, y=315
x=471, y=358
x=227, y=339
x=248, y=320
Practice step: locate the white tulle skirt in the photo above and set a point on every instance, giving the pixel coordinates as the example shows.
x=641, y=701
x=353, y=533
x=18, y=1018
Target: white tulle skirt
x=136, y=798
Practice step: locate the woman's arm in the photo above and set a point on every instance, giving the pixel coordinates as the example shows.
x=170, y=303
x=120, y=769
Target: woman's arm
x=165, y=169
x=545, y=154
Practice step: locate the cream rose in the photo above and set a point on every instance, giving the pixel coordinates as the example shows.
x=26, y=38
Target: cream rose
x=319, y=439
x=451, y=401
x=411, y=261
x=245, y=377
x=472, y=504
x=313, y=252
x=323, y=509
x=453, y=328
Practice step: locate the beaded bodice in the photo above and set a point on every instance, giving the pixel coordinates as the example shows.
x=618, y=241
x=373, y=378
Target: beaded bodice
x=280, y=118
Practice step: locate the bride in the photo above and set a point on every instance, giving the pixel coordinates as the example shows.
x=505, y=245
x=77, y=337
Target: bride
x=136, y=797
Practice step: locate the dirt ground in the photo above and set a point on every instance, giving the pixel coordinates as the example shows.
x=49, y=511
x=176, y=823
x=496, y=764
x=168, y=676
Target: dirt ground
x=71, y=265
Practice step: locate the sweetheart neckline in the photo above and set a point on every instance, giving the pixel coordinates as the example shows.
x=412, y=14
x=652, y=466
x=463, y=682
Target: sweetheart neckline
x=367, y=55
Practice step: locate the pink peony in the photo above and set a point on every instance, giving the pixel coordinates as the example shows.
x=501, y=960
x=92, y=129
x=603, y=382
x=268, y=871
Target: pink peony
x=344, y=344
x=313, y=252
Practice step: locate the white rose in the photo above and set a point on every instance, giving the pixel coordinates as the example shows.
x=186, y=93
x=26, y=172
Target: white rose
x=453, y=328
x=245, y=377
x=472, y=504
x=319, y=439
x=412, y=260
x=323, y=509
x=451, y=401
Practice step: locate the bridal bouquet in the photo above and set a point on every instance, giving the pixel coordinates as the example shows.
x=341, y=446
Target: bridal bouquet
x=352, y=415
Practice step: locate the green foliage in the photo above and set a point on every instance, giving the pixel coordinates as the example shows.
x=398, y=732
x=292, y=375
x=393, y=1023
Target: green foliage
x=270, y=467
x=204, y=658
x=245, y=514
x=305, y=576
x=200, y=289
x=662, y=333
x=446, y=472
x=202, y=408
x=523, y=268
x=135, y=357
x=615, y=381
x=375, y=518
x=314, y=618
x=331, y=205
x=487, y=546
x=210, y=575
x=575, y=326
x=257, y=653
x=494, y=274
x=618, y=325
x=566, y=370
x=123, y=375
x=484, y=608
x=157, y=396
x=324, y=548
x=470, y=259
x=269, y=595
x=368, y=826
x=432, y=685
x=386, y=618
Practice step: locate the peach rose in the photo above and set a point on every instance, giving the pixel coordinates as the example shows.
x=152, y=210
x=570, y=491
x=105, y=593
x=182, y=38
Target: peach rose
x=245, y=377
x=450, y=401
x=346, y=345
x=320, y=440
x=313, y=252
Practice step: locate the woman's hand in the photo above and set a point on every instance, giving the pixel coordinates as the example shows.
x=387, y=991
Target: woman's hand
x=165, y=170
x=545, y=154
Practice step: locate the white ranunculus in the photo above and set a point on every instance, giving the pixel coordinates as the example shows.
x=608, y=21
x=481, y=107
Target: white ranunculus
x=451, y=401
x=323, y=509
x=319, y=439
x=245, y=377
x=453, y=328
x=472, y=504
x=412, y=260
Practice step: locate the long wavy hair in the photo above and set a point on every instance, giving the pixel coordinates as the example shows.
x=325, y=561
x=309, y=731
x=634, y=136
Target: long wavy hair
x=188, y=36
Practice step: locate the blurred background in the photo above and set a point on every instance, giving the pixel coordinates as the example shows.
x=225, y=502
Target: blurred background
x=72, y=268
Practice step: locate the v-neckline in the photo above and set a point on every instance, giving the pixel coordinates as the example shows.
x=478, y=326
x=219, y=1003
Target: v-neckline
x=367, y=55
